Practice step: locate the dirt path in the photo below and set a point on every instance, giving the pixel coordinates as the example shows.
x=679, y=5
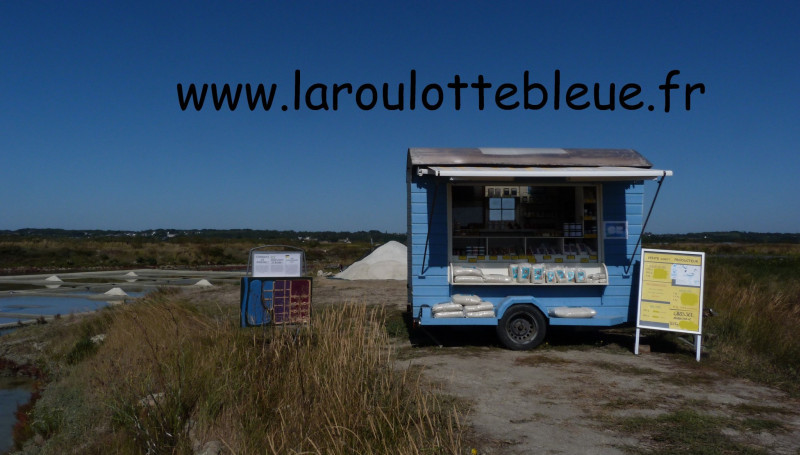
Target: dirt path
x=588, y=397
x=575, y=401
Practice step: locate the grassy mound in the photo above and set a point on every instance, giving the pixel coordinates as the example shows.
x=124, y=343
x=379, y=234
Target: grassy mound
x=171, y=376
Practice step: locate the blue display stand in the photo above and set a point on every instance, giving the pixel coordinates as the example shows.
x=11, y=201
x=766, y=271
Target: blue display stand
x=275, y=301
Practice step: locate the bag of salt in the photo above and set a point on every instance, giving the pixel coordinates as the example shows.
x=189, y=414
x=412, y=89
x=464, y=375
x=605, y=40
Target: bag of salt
x=524, y=273
x=465, y=299
x=446, y=306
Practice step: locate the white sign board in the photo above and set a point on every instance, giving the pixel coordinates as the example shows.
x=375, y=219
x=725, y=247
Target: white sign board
x=671, y=292
x=277, y=264
x=615, y=229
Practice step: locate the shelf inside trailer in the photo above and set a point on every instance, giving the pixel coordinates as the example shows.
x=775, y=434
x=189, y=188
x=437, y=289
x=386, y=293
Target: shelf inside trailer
x=526, y=274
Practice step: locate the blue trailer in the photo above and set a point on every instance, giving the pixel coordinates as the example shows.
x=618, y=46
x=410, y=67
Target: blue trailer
x=524, y=238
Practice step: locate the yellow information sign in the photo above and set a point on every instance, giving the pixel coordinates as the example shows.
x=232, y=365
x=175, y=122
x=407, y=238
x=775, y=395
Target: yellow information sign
x=671, y=291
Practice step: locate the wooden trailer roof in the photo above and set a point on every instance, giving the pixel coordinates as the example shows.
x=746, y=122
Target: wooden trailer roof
x=550, y=157
x=532, y=162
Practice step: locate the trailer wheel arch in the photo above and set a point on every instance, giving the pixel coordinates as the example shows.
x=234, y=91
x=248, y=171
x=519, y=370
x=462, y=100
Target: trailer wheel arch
x=522, y=327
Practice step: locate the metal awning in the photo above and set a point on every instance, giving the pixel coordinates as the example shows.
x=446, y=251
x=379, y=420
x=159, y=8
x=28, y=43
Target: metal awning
x=545, y=157
x=582, y=173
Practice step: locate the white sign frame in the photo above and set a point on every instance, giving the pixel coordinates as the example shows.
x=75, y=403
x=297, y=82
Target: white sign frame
x=276, y=263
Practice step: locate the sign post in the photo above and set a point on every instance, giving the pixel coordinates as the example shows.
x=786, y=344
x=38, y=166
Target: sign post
x=671, y=293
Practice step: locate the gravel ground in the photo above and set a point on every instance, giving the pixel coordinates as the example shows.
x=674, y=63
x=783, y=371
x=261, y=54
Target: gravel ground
x=569, y=395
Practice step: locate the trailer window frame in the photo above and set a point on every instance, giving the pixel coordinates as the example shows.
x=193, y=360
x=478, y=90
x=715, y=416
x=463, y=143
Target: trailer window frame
x=499, y=259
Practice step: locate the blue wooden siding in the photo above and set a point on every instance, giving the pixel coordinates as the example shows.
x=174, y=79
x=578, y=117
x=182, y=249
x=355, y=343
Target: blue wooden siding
x=622, y=201
x=428, y=255
x=428, y=241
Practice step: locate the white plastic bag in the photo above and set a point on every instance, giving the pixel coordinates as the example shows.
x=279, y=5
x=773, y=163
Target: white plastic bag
x=468, y=279
x=483, y=306
x=497, y=279
x=480, y=314
x=449, y=314
x=446, y=306
x=465, y=299
x=466, y=271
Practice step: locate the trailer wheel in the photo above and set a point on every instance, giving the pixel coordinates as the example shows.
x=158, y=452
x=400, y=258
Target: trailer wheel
x=522, y=327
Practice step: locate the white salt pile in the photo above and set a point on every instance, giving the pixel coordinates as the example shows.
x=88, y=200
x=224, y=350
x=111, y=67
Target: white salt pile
x=54, y=279
x=203, y=283
x=116, y=291
x=387, y=262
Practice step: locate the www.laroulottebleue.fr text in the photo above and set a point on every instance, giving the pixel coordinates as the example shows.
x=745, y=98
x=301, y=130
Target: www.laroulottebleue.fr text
x=478, y=93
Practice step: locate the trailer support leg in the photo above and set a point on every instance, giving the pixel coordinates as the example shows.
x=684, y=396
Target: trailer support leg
x=697, y=346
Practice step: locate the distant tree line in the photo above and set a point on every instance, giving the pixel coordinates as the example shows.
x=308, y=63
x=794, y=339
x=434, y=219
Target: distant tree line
x=374, y=236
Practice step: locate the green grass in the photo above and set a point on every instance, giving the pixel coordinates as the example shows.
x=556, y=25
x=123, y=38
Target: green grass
x=396, y=323
x=540, y=360
x=683, y=431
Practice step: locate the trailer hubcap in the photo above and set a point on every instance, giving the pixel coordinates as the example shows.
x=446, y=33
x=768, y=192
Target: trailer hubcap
x=522, y=328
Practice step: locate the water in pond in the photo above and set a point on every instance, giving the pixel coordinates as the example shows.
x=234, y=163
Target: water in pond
x=49, y=305
x=41, y=305
x=14, y=391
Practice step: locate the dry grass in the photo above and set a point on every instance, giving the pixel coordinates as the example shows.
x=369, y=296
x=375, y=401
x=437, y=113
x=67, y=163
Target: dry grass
x=757, y=311
x=169, y=379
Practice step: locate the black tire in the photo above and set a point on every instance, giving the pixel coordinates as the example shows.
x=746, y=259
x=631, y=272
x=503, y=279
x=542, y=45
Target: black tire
x=522, y=327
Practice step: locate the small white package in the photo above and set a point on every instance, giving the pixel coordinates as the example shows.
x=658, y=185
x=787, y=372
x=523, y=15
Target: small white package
x=524, y=273
x=537, y=274
x=580, y=276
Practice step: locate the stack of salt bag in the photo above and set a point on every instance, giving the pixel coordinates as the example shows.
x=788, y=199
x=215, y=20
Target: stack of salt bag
x=448, y=310
x=474, y=307
x=467, y=274
x=464, y=306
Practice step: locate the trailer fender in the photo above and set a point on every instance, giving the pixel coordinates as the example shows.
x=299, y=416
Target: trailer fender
x=512, y=300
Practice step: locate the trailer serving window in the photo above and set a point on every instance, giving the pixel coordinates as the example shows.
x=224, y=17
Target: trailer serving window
x=537, y=223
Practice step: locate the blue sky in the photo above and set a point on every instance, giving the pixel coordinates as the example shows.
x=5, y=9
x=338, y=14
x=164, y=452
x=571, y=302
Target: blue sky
x=92, y=135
